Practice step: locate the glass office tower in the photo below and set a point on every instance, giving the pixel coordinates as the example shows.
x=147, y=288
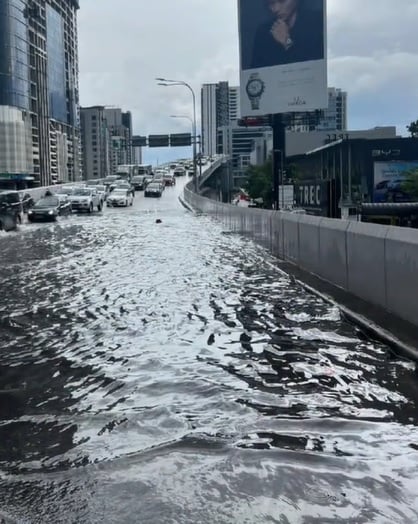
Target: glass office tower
x=39, y=80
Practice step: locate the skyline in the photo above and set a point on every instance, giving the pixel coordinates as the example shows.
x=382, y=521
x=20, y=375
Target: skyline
x=371, y=55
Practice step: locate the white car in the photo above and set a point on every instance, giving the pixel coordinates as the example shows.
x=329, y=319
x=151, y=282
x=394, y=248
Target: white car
x=103, y=192
x=120, y=198
x=85, y=199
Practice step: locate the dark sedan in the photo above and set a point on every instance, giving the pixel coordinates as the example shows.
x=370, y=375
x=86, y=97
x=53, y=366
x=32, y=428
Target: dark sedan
x=49, y=208
x=154, y=190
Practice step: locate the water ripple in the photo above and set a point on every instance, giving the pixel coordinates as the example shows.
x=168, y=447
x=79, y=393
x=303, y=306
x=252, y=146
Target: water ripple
x=172, y=372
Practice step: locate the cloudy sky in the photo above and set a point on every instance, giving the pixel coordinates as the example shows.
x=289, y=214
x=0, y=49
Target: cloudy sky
x=124, y=45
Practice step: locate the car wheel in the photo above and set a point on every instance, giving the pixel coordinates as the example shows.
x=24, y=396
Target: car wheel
x=1, y=225
x=90, y=209
x=19, y=220
x=99, y=207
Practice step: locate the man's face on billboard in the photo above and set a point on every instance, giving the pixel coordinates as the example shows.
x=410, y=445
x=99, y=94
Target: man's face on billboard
x=283, y=9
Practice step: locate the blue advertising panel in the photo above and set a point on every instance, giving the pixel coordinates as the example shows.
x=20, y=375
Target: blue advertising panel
x=388, y=181
x=283, y=56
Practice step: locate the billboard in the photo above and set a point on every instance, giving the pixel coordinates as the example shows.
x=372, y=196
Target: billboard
x=283, y=52
x=313, y=196
x=388, y=179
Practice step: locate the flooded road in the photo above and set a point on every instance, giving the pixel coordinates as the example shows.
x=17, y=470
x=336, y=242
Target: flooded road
x=168, y=373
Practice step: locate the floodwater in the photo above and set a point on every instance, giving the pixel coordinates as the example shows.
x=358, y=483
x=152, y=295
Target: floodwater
x=169, y=373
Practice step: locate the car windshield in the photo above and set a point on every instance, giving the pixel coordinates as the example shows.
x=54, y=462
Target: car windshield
x=64, y=191
x=47, y=202
x=154, y=186
x=82, y=191
x=101, y=188
x=119, y=192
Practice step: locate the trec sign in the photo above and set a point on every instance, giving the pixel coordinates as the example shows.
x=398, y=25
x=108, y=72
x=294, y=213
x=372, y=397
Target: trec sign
x=313, y=196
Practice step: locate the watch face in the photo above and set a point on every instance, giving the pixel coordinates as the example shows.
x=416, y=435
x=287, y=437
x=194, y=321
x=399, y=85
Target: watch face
x=255, y=87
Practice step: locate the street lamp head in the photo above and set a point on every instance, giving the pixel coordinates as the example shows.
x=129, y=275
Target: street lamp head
x=160, y=79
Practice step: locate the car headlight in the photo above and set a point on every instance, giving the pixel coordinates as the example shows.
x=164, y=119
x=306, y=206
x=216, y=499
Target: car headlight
x=50, y=212
x=30, y=212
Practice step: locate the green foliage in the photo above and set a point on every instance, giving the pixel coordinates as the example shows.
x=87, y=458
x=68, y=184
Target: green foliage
x=413, y=129
x=410, y=185
x=260, y=183
x=294, y=173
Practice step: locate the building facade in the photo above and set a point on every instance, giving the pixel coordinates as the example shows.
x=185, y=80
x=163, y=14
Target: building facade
x=334, y=118
x=120, y=130
x=238, y=143
x=95, y=138
x=220, y=107
x=39, y=80
x=107, y=141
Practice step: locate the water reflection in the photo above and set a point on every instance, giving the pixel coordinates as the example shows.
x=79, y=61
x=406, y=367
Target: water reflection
x=173, y=373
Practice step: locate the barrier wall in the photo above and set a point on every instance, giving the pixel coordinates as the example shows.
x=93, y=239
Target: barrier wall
x=376, y=263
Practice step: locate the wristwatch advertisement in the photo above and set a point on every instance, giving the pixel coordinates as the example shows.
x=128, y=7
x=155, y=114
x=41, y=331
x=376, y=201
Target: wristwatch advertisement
x=255, y=88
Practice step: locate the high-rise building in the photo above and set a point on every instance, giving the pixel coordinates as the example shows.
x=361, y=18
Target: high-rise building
x=220, y=107
x=334, y=118
x=107, y=140
x=234, y=104
x=95, y=139
x=39, y=101
x=120, y=129
x=238, y=144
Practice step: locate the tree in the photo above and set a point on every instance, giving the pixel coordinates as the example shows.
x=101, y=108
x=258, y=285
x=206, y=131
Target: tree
x=413, y=129
x=260, y=183
x=410, y=184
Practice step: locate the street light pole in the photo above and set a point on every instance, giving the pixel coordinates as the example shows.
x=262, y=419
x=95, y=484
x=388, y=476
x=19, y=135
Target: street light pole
x=169, y=83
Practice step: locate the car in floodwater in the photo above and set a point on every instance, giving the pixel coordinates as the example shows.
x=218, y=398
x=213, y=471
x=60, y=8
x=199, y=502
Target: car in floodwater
x=11, y=210
x=123, y=184
x=155, y=189
x=49, y=208
x=103, y=191
x=85, y=199
x=120, y=197
x=180, y=171
x=139, y=182
x=169, y=179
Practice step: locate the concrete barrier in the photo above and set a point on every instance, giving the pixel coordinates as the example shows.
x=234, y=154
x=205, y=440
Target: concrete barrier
x=401, y=269
x=333, y=251
x=309, y=243
x=375, y=263
x=366, y=261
